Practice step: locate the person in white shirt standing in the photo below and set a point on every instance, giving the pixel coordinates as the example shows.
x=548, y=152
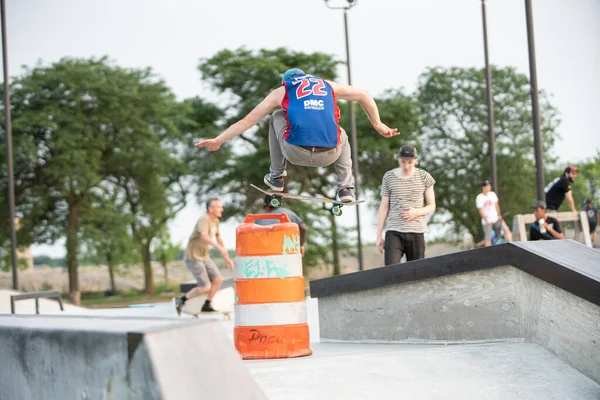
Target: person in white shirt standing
x=489, y=208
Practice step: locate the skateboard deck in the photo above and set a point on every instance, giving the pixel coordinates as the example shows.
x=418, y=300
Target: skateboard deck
x=221, y=302
x=225, y=314
x=336, y=203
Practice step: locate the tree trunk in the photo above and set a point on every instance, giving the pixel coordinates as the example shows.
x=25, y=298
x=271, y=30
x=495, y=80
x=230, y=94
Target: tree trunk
x=111, y=273
x=148, y=278
x=72, y=245
x=334, y=245
x=164, y=262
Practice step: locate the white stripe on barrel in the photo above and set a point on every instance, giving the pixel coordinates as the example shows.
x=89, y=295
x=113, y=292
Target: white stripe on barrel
x=270, y=314
x=280, y=266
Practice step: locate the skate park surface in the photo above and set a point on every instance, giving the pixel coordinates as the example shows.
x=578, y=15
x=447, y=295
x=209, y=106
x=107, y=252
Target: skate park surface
x=458, y=326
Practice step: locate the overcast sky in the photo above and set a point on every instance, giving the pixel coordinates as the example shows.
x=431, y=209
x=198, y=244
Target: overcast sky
x=392, y=42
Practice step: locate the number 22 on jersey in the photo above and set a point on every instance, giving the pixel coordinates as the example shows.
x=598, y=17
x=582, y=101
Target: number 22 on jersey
x=310, y=86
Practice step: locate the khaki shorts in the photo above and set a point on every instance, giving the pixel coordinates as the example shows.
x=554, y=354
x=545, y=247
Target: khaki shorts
x=205, y=271
x=487, y=229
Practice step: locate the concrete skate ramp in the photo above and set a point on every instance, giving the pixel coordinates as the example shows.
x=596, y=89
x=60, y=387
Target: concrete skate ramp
x=542, y=292
x=75, y=357
x=500, y=371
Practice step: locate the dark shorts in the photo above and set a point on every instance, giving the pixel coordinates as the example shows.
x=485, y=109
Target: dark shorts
x=204, y=271
x=399, y=243
x=592, y=227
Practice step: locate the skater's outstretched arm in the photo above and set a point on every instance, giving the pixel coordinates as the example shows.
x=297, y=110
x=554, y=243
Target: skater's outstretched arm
x=366, y=101
x=382, y=215
x=270, y=103
x=410, y=214
x=228, y=260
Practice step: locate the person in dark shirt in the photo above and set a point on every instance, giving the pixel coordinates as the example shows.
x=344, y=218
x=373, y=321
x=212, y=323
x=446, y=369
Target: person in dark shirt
x=592, y=213
x=544, y=227
x=560, y=188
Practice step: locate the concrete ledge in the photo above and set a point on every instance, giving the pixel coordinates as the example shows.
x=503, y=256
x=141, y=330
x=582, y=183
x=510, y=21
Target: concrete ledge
x=546, y=260
x=475, y=306
x=446, y=302
x=68, y=357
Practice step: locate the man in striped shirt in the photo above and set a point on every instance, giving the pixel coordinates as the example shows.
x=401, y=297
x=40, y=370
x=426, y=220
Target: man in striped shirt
x=406, y=198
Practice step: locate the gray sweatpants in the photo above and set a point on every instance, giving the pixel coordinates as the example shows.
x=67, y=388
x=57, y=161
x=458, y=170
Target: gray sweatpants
x=281, y=151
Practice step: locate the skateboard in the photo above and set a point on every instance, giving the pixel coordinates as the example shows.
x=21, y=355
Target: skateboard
x=225, y=314
x=277, y=202
x=194, y=306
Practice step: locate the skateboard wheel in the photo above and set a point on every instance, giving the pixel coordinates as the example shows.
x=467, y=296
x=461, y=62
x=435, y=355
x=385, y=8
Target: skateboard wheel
x=275, y=202
x=336, y=210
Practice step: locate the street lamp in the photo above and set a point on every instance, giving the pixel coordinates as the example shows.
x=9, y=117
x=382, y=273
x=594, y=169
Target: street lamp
x=9, y=153
x=351, y=114
x=535, y=107
x=490, y=103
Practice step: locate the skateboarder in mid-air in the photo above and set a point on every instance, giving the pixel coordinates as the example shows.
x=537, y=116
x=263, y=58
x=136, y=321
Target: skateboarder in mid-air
x=304, y=129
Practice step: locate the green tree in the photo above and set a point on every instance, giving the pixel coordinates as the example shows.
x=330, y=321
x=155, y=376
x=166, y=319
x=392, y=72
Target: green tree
x=590, y=175
x=72, y=120
x=453, y=114
x=105, y=232
x=153, y=197
x=248, y=76
x=49, y=261
x=376, y=155
x=165, y=252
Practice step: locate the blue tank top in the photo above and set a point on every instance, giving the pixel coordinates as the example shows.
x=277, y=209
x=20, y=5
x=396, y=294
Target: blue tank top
x=311, y=112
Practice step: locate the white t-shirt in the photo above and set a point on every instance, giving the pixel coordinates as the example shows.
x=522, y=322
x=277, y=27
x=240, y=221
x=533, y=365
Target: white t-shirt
x=488, y=203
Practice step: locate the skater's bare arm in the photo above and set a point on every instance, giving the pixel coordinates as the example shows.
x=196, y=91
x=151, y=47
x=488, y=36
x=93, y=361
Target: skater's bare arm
x=500, y=218
x=228, y=260
x=410, y=214
x=270, y=103
x=303, y=232
x=429, y=201
x=366, y=101
x=381, y=217
x=483, y=215
x=220, y=241
x=207, y=239
x=569, y=196
x=217, y=244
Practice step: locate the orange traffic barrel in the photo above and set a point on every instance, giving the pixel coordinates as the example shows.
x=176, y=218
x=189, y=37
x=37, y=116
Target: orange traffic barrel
x=270, y=310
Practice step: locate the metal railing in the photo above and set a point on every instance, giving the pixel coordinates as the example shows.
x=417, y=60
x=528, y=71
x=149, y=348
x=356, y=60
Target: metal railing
x=49, y=294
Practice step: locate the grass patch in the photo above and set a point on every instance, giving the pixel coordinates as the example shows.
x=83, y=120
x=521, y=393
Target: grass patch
x=123, y=299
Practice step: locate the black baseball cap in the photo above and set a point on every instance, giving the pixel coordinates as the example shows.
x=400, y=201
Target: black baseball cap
x=485, y=182
x=407, y=151
x=539, y=204
x=571, y=169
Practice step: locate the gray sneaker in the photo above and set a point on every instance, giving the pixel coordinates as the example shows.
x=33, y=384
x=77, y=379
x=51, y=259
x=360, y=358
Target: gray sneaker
x=277, y=184
x=346, y=195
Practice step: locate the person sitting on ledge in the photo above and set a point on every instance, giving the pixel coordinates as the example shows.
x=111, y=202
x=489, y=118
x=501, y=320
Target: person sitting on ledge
x=544, y=227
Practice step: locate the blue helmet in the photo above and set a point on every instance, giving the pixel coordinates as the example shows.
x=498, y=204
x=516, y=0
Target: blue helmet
x=290, y=74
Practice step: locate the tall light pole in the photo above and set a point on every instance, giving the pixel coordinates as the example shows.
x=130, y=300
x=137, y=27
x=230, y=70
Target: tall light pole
x=9, y=154
x=490, y=103
x=535, y=107
x=352, y=116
